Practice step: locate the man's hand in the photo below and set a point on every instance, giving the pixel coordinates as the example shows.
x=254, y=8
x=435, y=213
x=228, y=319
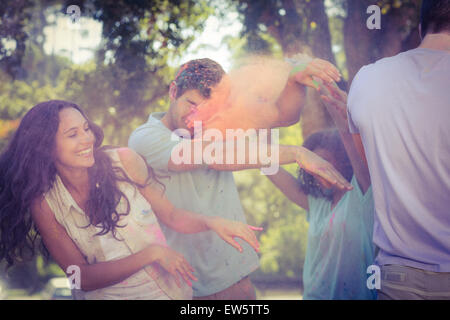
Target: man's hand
x=304, y=72
x=317, y=166
x=228, y=229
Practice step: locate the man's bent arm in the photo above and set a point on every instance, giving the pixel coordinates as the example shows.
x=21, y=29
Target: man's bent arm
x=290, y=103
x=270, y=162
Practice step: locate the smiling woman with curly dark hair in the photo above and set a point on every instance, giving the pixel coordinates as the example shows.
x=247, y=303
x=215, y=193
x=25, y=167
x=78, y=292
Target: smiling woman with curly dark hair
x=28, y=171
x=94, y=207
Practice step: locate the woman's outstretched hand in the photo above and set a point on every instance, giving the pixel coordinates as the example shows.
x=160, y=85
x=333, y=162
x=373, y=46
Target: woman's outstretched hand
x=228, y=230
x=317, y=166
x=174, y=263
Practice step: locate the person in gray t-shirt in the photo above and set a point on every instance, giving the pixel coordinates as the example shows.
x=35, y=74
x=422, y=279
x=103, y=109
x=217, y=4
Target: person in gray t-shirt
x=399, y=111
x=208, y=187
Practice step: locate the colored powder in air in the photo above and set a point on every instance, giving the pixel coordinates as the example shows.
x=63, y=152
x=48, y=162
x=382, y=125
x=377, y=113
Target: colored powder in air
x=246, y=97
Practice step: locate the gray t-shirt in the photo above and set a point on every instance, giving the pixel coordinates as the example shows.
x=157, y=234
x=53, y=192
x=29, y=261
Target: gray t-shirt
x=401, y=107
x=217, y=264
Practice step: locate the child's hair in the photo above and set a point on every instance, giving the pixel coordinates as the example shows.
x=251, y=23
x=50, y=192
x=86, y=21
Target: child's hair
x=331, y=141
x=199, y=74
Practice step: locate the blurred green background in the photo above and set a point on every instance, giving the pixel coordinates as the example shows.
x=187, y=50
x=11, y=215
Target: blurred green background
x=118, y=59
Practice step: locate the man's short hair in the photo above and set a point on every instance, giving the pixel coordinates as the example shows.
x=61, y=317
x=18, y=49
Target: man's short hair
x=435, y=16
x=199, y=74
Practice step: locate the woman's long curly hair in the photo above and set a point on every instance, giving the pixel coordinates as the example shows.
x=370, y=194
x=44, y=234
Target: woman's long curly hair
x=329, y=140
x=27, y=171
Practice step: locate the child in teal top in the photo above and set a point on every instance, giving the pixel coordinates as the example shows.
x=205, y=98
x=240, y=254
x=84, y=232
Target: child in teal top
x=340, y=247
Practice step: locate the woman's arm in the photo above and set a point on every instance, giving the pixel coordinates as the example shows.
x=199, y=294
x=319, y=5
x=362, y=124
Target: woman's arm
x=102, y=274
x=336, y=103
x=180, y=220
x=287, y=184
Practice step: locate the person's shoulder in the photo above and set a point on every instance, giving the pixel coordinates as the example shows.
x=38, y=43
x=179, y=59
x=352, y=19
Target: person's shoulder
x=316, y=205
x=380, y=67
x=128, y=160
x=125, y=155
x=128, y=157
x=133, y=164
x=316, y=202
x=153, y=131
x=39, y=207
x=153, y=123
x=154, y=120
x=373, y=77
x=364, y=74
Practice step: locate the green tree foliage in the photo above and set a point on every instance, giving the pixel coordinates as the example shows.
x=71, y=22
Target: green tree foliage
x=14, y=16
x=129, y=76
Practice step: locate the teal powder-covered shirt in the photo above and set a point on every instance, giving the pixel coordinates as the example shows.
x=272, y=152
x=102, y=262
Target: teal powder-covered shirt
x=340, y=247
x=217, y=264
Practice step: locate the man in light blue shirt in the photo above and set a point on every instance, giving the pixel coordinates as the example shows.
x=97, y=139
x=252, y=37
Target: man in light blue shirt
x=210, y=192
x=399, y=112
x=209, y=188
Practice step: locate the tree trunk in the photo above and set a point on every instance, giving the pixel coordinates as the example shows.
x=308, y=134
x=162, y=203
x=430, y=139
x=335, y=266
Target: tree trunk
x=363, y=46
x=314, y=115
x=358, y=39
x=320, y=37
